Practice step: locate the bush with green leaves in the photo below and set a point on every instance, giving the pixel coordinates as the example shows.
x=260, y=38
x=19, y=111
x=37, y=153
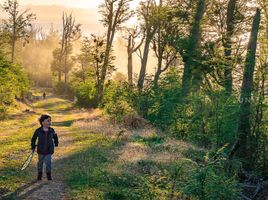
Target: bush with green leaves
x=209, y=181
x=206, y=119
x=85, y=92
x=59, y=87
x=164, y=99
x=14, y=84
x=63, y=89
x=118, y=100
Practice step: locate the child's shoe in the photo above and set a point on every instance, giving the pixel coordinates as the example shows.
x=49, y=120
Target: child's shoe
x=39, y=177
x=49, y=176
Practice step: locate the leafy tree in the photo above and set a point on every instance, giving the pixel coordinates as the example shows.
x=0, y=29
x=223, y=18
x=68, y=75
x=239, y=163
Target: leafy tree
x=166, y=54
x=14, y=84
x=147, y=13
x=191, y=74
x=17, y=25
x=243, y=146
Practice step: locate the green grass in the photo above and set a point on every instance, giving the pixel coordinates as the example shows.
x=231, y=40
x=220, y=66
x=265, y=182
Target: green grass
x=150, y=141
x=91, y=167
x=101, y=175
x=94, y=178
x=54, y=105
x=15, y=147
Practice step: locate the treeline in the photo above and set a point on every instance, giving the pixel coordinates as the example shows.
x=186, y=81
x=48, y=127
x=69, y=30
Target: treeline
x=210, y=77
x=14, y=82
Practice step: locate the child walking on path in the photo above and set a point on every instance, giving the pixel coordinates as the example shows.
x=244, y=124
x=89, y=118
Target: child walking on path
x=47, y=139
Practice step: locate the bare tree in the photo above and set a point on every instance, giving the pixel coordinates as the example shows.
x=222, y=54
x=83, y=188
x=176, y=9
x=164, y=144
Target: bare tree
x=114, y=14
x=131, y=36
x=71, y=32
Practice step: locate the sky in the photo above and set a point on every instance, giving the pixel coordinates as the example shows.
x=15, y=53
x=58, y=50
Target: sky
x=68, y=3
x=85, y=11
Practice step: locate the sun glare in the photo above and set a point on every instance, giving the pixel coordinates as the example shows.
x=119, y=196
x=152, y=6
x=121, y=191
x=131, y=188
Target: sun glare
x=86, y=4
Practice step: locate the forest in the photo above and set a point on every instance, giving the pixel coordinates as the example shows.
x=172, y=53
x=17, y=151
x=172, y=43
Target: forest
x=201, y=81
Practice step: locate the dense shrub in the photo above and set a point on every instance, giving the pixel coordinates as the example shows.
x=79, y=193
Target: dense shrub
x=85, y=92
x=118, y=100
x=208, y=120
x=14, y=84
x=164, y=99
x=209, y=181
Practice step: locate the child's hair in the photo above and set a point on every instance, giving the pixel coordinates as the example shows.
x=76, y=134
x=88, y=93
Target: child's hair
x=43, y=118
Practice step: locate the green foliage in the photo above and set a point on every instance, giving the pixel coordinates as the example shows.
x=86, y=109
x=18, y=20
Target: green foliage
x=14, y=84
x=150, y=141
x=59, y=88
x=86, y=79
x=118, y=100
x=85, y=92
x=209, y=181
x=164, y=99
x=207, y=119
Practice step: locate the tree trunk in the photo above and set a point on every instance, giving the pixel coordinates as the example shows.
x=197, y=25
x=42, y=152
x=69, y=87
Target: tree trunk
x=159, y=54
x=130, y=69
x=191, y=73
x=109, y=42
x=228, y=80
x=130, y=61
x=104, y=71
x=100, y=92
x=59, y=76
x=159, y=69
x=186, y=77
x=144, y=62
x=65, y=71
x=156, y=78
x=243, y=145
x=13, y=48
x=13, y=37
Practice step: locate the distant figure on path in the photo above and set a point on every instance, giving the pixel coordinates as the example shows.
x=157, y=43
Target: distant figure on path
x=44, y=95
x=47, y=139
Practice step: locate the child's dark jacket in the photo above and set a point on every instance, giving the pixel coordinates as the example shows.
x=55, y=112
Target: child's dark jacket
x=45, y=144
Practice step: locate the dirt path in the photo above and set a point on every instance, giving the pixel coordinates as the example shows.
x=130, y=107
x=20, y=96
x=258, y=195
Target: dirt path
x=63, y=116
x=44, y=189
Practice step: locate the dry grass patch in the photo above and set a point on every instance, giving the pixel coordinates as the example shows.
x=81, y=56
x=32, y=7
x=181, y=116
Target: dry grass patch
x=133, y=152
